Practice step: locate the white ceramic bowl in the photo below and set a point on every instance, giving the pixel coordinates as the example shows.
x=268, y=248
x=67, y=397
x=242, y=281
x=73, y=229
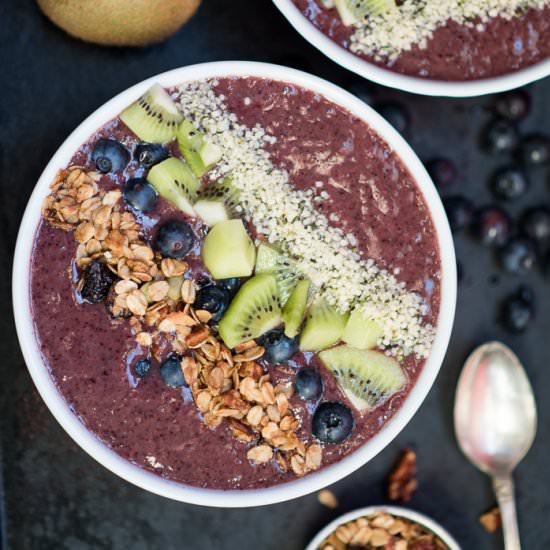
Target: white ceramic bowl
x=403, y=82
x=421, y=519
x=93, y=446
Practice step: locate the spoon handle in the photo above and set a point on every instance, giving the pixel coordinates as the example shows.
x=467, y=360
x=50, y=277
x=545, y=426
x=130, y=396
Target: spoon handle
x=504, y=490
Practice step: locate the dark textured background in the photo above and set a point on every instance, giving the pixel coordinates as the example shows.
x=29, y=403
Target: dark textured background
x=56, y=496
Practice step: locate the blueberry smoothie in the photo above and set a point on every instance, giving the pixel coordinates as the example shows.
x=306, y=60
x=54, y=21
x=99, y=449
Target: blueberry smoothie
x=235, y=283
x=448, y=41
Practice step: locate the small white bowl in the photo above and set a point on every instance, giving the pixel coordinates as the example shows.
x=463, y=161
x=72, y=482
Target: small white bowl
x=101, y=452
x=403, y=82
x=397, y=511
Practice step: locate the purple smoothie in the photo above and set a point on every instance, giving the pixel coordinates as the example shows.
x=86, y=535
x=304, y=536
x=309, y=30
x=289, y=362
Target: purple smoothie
x=160, y=429
x=456, y=52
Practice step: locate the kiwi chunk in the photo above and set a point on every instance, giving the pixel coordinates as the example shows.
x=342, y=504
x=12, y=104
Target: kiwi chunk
x=198, y=151
x=270, y=259
x=355, y=11
x=175, y=181
x=174, y=290
x=361, y=333
x=367, y=377
x=254, y=311
x=228, y=251
x=217, y=202
x=154, y=117
x=324, y=327
x=295, y=308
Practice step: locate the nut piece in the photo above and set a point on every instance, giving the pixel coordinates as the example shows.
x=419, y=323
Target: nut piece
x=328, y=499
x=402, y=482
x=491, y=520
x=260, y=454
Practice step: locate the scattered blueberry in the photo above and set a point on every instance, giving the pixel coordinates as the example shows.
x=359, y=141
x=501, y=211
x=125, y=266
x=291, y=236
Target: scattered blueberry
x=142, y=368
x=149, y=154
x=230, y=285
x=395, y=114
x=109, y=156
x=212, y=299
x=174, y=239
x=535, y=150
x=500, y=136
x=536, y=224
x=442, y=172
x=460, y=212
x=492, y=226
x=140, y=195
x=514, y=105
x=308, y=383
x=98, y=279
x=518, y=310
x=525, y=292
x=509, y=182
x=332, y=422
x=518, y=255
x=171, y=373
x=278, y=347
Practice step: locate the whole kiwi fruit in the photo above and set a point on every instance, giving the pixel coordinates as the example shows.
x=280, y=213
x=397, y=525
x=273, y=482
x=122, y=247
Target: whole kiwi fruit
x=119, y=22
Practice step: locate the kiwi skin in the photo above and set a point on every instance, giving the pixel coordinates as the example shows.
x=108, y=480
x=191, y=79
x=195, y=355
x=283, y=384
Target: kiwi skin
x=119, y=22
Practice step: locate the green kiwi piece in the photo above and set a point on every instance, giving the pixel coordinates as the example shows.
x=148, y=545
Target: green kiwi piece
x=295, y=308
x=355, y=11
x=367, y=377
x=217, y=202
x=174, y=290
x=254, y=311
x=361, y=333
x=154, y=117
x=269, y=259
x=200, y=154
x=174, y=180
x=324, y=327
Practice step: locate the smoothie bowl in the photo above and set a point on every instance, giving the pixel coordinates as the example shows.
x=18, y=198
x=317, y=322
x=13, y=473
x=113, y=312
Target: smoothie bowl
x=451, y=48
x=234, y=284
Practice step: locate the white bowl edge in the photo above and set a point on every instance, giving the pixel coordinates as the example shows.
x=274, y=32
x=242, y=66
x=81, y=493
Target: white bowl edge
x=133, y=473
x=417, y=85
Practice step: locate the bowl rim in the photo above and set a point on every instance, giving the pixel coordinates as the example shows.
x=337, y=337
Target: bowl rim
x=406, y=83
x=399, y=511
x=133, y=473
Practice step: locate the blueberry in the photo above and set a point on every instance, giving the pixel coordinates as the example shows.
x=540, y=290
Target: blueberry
x=332, y=422
x=140, y=195
x=500, y=136
x=230, y=285
x=442, y=172
x=98, y=279
x=536, y=224
x=518, y=310
x=149, y=154
x=174, y=239
x=513, y=105
x=171, y=373
x=142, y=368
x=309, y=384
x=396, y=115
x=525, y=292
x=460, y=212
x=492, y=226
x=518, y=256
x=535, y=150
x=278, y=347
x=509, y=182
x=213, y=299
x=110, y=156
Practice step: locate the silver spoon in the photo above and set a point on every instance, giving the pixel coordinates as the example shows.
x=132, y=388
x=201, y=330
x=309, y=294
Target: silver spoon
x=495, y=423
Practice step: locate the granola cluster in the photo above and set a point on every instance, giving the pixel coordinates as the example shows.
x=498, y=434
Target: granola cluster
x=382, y=530
x=154, y=295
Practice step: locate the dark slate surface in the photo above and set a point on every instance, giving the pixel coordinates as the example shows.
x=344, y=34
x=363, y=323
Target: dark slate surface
x=56, y=496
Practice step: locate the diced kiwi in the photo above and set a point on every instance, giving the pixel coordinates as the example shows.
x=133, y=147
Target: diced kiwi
x=355, y=11
x=361, y=333
x=154, y=117
x=269, y=259
x=217, y=202
x=174, y=291
x=367, y=377
x=228, y=251
x=254, y=311
x=295, y=308
x=324, y=327
x=198, y=152
x=174, y=180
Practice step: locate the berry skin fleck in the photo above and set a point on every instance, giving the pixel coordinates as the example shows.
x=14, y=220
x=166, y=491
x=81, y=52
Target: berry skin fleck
x=98, y=279
x=143, y=367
